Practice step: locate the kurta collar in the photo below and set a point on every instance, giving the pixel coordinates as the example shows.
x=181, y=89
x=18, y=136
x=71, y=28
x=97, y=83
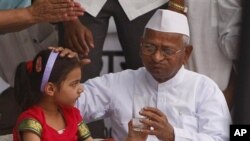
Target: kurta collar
x=171, y=82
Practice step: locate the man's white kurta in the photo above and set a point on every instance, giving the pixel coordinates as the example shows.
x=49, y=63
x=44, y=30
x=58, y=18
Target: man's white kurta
x=193, y=103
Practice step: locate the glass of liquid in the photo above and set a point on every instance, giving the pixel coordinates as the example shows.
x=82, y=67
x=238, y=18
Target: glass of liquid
x=139, y=102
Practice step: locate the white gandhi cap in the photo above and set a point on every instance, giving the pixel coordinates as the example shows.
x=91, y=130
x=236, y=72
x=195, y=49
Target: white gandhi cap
x=169, y=21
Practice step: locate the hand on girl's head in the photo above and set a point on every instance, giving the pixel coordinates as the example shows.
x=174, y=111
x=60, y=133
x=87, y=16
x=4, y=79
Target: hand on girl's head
x=64, y=52
x=69, y=53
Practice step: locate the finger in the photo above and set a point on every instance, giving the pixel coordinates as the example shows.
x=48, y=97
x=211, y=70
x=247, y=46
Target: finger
x=52, y=48
x=60, y=50
x=56, y=49
x=154, y=110
x=61, y=11
x=67, y=52
x=77, y=45
x=89, y=39
x=75, y=13
x=150, y=123
x=72, y=55
x=82, y=41
x=150, y=132
x=69, y=44
x=84, y=45
x=85, y=61
x=77, y=6
x=64, y=52
x=60, y=1
x=150, y=115
x=63, y=5
x=130, y=125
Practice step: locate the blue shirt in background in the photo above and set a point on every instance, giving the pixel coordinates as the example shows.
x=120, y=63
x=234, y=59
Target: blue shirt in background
x=12, y=4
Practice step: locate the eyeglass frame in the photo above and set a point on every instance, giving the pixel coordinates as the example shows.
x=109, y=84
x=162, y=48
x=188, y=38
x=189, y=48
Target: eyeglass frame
x=161, y=52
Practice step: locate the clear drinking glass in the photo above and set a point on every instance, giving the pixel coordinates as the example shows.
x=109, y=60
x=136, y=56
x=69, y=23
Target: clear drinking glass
x=139, y=102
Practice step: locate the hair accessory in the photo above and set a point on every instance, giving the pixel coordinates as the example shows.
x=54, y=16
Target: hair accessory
x=29, y=66
x=48, y=69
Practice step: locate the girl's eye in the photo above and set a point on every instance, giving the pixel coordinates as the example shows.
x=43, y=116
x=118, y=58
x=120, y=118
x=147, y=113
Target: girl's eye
x=75, y=83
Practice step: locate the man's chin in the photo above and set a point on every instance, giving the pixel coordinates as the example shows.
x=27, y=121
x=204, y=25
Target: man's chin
x=161, y=77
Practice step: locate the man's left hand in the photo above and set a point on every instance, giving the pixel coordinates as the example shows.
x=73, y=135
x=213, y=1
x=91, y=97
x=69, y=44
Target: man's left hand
x=159, y=124
x=65, y=52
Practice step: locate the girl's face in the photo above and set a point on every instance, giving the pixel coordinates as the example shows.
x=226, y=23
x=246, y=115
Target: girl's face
x=70, y=89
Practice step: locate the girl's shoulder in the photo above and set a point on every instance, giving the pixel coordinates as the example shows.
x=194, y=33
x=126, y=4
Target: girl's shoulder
x=33, y=112
x=30, y=124
x=30, y=120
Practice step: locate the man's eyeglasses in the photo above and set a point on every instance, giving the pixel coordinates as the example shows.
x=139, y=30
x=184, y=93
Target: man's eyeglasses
x=149, y=49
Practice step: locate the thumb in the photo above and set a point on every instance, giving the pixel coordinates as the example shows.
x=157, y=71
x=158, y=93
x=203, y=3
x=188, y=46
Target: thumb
x=85, y=61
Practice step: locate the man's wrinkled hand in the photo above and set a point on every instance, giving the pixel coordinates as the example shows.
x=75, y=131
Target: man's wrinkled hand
x=158, y=123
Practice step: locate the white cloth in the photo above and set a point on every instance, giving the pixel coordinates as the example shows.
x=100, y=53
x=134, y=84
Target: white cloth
x=23, y=46
x=168, y=21
x=212, y=54
x=229, y=27
x=132, y=8
x=3, y=85
x=193, y=103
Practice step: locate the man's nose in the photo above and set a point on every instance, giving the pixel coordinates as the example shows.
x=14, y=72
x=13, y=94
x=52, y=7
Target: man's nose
x=157, y=56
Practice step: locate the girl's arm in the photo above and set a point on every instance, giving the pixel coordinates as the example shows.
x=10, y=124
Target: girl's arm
x=89, y=139
x=29, y=136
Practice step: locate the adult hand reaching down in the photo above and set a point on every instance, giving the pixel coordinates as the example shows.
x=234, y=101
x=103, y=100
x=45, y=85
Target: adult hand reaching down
x=78, y=37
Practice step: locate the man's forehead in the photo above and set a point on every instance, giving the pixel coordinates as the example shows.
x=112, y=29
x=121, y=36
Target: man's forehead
x=163, y=39
x=150, y=33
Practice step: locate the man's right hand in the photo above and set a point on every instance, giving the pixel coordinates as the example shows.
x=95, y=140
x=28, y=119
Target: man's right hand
x=78, y=37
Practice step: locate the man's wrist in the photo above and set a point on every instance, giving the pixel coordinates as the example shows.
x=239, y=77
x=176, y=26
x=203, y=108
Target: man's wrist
x=72, y=22
x=30, y=16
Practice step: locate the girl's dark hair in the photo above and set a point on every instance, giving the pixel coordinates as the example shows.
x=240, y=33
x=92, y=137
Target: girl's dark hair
x=27, y=84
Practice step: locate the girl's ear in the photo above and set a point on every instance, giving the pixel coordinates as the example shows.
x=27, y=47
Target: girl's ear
x=50, y=89
x=38, y=66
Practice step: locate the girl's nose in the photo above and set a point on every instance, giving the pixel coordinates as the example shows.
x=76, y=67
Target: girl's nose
x=81, y=89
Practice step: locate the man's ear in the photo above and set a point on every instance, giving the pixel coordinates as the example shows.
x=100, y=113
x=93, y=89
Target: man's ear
x=140, y=53
x=188, y=51
x=50, y=89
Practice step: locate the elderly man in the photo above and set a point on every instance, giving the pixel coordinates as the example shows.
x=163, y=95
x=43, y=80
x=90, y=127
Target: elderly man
x=189, y=106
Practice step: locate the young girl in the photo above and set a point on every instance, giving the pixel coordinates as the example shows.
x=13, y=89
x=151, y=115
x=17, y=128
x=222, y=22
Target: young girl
x=47, y=89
